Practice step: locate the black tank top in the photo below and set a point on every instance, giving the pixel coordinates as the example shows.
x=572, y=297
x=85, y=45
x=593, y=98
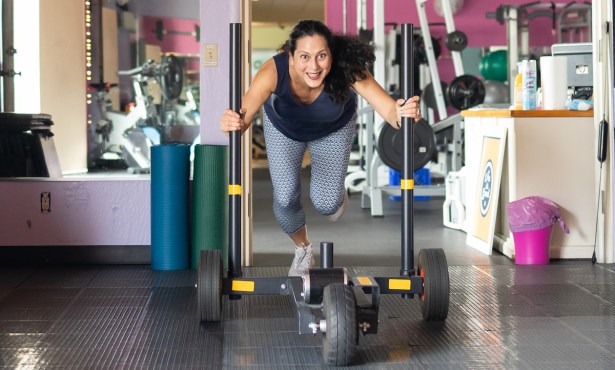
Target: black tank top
x=305, y=122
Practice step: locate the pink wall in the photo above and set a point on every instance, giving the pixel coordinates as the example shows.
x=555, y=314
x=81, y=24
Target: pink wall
x=470, y=19
x=183, y=44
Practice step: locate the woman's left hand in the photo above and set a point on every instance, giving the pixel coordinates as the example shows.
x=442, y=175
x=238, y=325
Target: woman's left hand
x=408, y=108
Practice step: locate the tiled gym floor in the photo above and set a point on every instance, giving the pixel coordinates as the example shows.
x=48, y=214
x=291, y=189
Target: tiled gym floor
x=559, y=316
x=502, y=316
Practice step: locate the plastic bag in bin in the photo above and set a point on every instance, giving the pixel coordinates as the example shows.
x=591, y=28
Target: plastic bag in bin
x=533, y=213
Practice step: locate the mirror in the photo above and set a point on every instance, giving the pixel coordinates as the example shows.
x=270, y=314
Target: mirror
x=143, y=80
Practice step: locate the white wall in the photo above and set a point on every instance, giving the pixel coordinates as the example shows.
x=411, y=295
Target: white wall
x=27, y=58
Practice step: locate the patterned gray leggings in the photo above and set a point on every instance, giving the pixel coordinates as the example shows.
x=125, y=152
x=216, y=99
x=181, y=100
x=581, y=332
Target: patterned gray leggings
x=329, y=163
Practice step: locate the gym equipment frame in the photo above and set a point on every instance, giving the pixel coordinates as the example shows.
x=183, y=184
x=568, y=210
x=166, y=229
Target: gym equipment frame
x=464, y=91
x=327, y=299
x=124, y=132
x=517, y=18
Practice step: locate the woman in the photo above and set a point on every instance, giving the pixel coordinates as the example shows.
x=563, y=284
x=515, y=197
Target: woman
x=309, y=95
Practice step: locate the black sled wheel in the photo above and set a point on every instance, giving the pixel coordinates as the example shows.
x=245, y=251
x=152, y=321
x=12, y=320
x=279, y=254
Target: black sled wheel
x=209, y=285
x=339, y=310
x=432, y=267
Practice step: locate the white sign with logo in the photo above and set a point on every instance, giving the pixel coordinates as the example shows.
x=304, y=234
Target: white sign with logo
x=483, y=210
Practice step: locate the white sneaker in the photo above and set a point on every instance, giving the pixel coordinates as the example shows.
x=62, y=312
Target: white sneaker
x=340, y=211
x=303, y=260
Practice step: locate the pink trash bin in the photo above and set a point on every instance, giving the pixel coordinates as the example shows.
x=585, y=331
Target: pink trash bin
x=532, y=246
x=531, y=221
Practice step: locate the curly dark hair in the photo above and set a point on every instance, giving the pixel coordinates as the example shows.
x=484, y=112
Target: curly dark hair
x=351, y=56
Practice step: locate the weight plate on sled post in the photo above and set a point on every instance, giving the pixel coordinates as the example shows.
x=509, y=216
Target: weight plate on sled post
x=390, y=146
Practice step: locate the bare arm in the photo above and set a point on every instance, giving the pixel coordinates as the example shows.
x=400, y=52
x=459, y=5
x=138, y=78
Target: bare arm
x=382, y=103
x=261, y=88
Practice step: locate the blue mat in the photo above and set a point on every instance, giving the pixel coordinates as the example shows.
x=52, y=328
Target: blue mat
x=170, y=182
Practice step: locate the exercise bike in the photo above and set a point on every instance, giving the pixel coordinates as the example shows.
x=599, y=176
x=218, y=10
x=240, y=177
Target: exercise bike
x=126, y=138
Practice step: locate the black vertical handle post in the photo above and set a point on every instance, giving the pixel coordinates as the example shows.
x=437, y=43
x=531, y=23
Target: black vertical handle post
x=326, y=255
x=407, y=180
x=234, y=188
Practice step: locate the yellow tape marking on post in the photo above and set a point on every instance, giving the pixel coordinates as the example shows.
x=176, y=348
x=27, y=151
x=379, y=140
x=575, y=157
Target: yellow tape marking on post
x=242, y=286
x=407, y=184
x=399, y=284
x=234, y=189
x=363, y=280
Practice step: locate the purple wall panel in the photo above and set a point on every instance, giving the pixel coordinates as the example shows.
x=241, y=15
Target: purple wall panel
x=92, y=212
x=215, y=19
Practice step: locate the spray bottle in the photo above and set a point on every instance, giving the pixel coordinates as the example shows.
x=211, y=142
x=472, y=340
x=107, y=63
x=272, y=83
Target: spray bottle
x=518, y=88
x=529, y=84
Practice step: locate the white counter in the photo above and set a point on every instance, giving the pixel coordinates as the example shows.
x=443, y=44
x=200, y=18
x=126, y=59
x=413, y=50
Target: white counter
x=550, y=154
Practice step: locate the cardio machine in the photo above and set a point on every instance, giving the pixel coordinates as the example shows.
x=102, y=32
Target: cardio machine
x=128, y=137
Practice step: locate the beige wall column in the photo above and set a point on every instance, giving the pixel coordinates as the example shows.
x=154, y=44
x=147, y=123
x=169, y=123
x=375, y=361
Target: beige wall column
x=62, y=79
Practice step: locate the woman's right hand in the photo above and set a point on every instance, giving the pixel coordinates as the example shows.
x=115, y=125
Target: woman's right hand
x=232, y=121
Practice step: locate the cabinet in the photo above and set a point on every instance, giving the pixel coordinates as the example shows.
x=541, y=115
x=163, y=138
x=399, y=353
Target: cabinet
x=550, y=154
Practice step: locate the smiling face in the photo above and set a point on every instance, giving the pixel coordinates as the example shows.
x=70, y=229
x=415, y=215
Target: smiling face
x=311, y=61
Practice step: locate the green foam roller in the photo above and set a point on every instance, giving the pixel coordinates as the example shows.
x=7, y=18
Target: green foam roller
x=210, y=201
x=494, y=66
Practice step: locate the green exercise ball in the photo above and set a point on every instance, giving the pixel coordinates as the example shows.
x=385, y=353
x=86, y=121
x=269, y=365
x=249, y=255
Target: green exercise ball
x=493, y=66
